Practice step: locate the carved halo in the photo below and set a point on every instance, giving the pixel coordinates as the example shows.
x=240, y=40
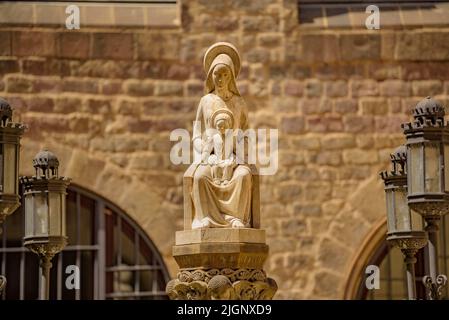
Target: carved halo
x=222, y=111
x=222, y=48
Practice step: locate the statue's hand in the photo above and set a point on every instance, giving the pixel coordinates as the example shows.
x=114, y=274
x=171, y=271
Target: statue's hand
x=212, y=160
x=206, y=149
x=198, y=145
x=230, y=162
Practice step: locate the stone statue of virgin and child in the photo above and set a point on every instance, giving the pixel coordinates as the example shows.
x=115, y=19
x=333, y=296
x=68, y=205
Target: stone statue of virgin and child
x=221, y=190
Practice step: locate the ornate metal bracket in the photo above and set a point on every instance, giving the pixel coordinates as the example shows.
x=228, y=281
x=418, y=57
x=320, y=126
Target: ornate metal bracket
x=2, y=284
x=435, y=289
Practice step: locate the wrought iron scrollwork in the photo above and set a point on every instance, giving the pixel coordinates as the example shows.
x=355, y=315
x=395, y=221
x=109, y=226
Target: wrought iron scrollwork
x=435, y=289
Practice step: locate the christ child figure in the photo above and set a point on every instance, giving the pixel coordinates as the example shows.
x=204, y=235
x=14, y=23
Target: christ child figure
x=222, y=159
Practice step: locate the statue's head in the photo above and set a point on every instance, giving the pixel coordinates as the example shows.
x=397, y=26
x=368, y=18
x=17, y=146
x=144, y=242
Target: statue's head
x=222, y=66
x=221, y=76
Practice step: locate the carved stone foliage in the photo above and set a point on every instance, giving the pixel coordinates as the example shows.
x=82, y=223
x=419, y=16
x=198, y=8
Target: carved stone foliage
x=222, y=284
x=232, y=274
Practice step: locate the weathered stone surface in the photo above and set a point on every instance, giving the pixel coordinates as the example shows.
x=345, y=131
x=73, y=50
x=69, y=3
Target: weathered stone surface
x=74, y=45
x=345, y=106
x=112, y=45
x=169, y=50
x=293, y=88
x=5, y=43
x=359, y=47
x=395, y=88
x=245, y=235
x=357, y=156
x=34, y=43
x=373, y=106
x=324, y=124
x=315, y=106
x=353, y=123
x=221, y=255
x=313, y=88
x=292, y=125
x=419, y=46
x=328, y=257
x=22, y=85
x=338, y=141
x=9, y=66
x=336, y=88
x=427, y=88
x=362, y=88
x=258, y=24
x=138, y=88
x=326, y=284
x=319, y=47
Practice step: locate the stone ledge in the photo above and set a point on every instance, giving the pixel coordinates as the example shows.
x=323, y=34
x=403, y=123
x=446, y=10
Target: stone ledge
x=93, y=14
x=243, y=235
x=221, y=255
x=351, y=14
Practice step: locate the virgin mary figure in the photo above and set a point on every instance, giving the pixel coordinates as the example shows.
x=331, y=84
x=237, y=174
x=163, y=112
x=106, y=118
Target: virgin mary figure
x=225, y=205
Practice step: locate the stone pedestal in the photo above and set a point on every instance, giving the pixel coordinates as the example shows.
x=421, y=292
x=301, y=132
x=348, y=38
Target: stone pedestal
x=221, y=264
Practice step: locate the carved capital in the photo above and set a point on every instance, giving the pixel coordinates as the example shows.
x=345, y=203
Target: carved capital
x=231, y=274
x=224, y=284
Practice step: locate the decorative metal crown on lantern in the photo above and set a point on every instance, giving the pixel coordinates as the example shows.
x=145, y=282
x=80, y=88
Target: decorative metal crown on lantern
x=427, y=113
x=46, y=164
x=399, y=163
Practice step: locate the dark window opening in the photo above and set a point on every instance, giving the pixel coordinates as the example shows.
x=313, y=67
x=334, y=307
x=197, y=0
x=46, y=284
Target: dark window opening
x=116, y=258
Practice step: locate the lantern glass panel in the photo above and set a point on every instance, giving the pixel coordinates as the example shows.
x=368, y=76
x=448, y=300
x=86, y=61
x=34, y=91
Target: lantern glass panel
x=55, y=214
x=391, y=217
x=10, y=172
x=446, y=171
x=402, y=211
x=40, y=214
x=432, y=163
x=415, y=161
x=29, y=216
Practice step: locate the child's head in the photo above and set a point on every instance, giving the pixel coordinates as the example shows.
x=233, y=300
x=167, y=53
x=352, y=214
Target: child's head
x=222, y=119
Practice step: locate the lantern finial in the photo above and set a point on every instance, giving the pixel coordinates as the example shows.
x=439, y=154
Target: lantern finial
x=428, y=112
x=46, y=164
x=399, y=160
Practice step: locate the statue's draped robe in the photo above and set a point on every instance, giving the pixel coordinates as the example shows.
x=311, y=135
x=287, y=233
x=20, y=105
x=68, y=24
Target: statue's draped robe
x=221, y=204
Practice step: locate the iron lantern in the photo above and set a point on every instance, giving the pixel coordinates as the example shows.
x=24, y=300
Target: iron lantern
x=45, y=210
x=428, y=179
x=404, y=225
x=428, y=159
x=10, y=134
